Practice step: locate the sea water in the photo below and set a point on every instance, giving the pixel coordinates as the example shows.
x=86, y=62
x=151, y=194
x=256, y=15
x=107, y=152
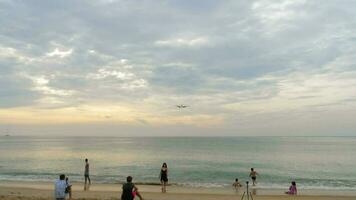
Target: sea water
x=313, y=162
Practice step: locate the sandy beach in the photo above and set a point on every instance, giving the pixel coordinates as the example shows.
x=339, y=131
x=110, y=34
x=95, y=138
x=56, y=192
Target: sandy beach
x=39, y=190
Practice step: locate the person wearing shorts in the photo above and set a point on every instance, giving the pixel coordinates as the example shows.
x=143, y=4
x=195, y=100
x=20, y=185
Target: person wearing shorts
x=253, y=175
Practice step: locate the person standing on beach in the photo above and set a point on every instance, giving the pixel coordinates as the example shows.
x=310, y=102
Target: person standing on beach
x=60, y=188
x=68, y=188
x=164, y=177
x=253, y=175
x=129, y=190
x=86, y=175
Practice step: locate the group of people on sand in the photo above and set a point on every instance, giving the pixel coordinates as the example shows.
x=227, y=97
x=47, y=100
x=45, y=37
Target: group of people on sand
x=130, y=190
x=63, y=188
x=253, y=175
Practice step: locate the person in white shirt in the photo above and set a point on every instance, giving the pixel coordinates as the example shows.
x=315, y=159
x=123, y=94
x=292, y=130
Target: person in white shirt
x=60, y=188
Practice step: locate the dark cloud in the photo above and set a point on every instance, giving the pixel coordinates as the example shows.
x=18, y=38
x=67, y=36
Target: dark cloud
x=15, y=91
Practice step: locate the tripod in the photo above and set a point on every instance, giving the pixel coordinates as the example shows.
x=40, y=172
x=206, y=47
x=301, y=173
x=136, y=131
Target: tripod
x=247, y=195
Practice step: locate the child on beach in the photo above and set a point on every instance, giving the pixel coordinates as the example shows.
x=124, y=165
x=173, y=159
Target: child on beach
x=236, y=184
x=68, y=188
x=129, y=190
x=292, y=189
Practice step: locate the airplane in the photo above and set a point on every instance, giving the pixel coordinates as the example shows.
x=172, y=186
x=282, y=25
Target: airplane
x=181, y=106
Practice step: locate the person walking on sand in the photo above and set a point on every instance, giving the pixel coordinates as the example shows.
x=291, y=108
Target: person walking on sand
x=253, y=175
x=60, y=188
x=292, y=189
x=164, y=177
x=129, y=190
x=86, y=175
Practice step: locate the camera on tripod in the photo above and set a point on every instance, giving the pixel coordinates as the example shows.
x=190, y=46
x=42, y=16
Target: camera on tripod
x=247, y=195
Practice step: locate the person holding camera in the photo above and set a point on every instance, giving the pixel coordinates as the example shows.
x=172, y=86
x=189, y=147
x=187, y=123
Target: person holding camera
x=60, y=186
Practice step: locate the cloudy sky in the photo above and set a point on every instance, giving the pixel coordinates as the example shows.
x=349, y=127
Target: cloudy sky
x=107, y=67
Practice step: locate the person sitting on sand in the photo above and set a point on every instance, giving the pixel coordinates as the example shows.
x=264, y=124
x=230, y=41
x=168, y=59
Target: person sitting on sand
x=253, y=175
x=292, y=189
x=68, y=188
x=60, y=188
x=129, y=190
x=236, y=184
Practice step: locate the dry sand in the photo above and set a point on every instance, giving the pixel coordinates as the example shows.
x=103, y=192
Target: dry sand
x=44, y=191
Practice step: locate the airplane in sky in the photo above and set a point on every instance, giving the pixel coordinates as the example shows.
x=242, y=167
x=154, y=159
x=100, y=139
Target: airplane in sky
x=181, y=106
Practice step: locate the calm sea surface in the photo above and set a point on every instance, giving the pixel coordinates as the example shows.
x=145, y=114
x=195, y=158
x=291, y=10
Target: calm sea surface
x=314, y=162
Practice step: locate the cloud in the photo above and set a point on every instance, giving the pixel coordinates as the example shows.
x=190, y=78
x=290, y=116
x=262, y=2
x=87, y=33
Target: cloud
x=41, y=84
x=104, y=73
x=10, y=53
x=58, y=53
x=183, y=42
x=16, y=92
x=300, y=91
x=237, y=64
x=274, y=11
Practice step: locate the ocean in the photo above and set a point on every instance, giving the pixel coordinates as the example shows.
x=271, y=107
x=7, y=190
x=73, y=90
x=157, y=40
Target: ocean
x=313, y=162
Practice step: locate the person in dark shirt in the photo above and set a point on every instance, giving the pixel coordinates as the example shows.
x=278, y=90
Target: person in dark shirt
x=129, y=190
x=164, y=177
x=86, y=175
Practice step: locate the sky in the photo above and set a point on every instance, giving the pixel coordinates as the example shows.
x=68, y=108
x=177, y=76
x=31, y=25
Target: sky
x=120, y=67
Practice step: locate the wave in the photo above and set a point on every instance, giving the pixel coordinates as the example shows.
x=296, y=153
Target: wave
x=326, y=184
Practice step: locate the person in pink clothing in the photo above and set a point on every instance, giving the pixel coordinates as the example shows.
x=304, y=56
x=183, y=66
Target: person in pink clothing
x=292, y=189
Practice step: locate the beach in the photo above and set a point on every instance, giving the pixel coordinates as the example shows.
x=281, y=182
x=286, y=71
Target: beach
x=187, y=100
x=44, y=190
x=199, y=168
